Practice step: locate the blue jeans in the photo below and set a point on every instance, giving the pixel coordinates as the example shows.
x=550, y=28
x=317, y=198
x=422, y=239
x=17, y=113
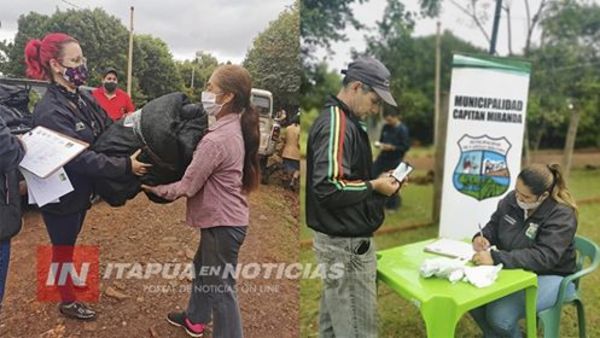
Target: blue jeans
x=501, y=317
x=214, y=296
x=4, y=260
x=348, y=304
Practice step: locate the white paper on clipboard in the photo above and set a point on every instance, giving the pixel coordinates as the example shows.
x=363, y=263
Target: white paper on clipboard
x=47, y=190
x=451, y=248
x=47, y=151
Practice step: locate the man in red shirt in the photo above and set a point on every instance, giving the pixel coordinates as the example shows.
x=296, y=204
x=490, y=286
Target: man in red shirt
x=112, y=99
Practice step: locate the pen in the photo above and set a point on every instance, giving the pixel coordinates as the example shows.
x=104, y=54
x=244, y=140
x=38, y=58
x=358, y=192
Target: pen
x=481, y=232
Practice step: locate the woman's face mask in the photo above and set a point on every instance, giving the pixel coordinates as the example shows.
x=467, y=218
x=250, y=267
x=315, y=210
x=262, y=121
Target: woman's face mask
x=209, y=101
x=528, y=201
x=78, y=76
x=529, y=206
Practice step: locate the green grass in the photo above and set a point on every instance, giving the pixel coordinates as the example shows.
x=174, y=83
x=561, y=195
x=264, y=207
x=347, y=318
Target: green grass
x=584, y=184
x=399, y=318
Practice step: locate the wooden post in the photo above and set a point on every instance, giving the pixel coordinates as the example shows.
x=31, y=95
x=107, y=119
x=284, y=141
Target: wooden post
x=193, y=73
x=440, y=152
x=437, y=85
x=497, y=15
x=130, y=56
x=570, y=142
x=526, y=155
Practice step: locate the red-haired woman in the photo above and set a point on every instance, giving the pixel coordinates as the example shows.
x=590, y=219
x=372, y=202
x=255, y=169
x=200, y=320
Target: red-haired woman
x=59, y=59
x=223, y=170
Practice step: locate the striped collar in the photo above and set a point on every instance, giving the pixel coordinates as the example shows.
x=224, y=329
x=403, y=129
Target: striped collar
x=334, y=101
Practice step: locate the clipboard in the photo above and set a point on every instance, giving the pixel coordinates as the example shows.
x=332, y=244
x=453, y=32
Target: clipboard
x=48, y=151
x=451, y=248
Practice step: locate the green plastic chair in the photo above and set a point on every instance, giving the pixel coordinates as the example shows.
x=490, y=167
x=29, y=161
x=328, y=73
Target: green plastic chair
x=550, y=318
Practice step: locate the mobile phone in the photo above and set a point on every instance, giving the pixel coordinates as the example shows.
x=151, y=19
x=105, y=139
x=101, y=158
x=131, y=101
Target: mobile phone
x=402, y=171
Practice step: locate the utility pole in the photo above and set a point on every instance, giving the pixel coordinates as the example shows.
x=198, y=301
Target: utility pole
x=570, y=141
x=193, y=73
x=130, y=57
x=497, y=15
x=438, y=62
x=440, y=153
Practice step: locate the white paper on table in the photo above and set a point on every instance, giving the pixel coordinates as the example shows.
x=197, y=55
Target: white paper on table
x=48, y=150
x=47, y=190
x=451, y=248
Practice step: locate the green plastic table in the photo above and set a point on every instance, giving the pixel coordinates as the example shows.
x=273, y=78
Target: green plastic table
x=442, y=303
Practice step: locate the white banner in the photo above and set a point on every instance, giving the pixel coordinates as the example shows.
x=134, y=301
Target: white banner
x=484, y=142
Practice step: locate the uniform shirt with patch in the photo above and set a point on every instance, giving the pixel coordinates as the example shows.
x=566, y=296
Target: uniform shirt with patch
x=542, y=243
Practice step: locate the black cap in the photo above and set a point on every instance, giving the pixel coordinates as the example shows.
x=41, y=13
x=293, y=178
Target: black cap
x=372, y=72
x=110, y=70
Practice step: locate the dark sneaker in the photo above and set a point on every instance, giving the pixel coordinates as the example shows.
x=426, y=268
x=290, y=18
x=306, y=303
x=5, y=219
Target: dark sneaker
x=179, y=319
x=78, y=311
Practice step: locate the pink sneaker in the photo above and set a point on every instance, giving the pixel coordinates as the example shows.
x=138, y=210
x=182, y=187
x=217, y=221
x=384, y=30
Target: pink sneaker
x=179, y=319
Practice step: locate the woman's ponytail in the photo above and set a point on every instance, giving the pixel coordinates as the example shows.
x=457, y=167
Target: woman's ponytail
x=34, y=70
x=559, y=190
x=251, y=134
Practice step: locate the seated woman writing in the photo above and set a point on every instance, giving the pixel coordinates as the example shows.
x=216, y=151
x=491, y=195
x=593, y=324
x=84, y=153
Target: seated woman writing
x=533, y=228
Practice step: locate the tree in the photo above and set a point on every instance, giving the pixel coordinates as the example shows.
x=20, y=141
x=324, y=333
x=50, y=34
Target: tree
x=324, y=82
x=274, y=59
x=104, y=41
x=478, y=11
x=102, y=37
x=160, y=75
x=200, y=68
x=411, y=61
x=323, y=22
x=567, y=60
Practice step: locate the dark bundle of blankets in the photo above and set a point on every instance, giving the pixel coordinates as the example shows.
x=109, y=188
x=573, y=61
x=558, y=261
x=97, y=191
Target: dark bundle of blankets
x=167, y=129
x=14, y=108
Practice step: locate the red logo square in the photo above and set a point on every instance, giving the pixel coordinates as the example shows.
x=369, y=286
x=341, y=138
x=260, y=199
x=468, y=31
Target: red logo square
x=68, y=273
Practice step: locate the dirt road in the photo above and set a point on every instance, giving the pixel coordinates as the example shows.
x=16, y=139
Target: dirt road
x=145, y=232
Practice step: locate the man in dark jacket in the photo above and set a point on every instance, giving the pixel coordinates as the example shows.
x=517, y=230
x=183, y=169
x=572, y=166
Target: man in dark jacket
x=393, y=143
x=11, y=154
x=344, y=203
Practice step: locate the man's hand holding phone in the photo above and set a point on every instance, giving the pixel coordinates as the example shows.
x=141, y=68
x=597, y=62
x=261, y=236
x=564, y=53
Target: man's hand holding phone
x=385, y=185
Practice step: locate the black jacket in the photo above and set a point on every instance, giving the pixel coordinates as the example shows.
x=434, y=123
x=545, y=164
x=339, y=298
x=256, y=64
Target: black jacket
x=547, y=250
x=80, y=117
x=339, y=199
x=11, y=154
x=397, y=136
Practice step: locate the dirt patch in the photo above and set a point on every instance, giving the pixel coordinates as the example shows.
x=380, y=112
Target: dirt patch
x=145, y=232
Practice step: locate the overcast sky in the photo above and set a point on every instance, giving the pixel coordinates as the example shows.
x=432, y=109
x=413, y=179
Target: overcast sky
x=225, y=28
x=451, y=19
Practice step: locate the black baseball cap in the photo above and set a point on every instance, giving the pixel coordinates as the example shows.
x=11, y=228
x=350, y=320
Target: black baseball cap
x=372, y=72
x=110, y=70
